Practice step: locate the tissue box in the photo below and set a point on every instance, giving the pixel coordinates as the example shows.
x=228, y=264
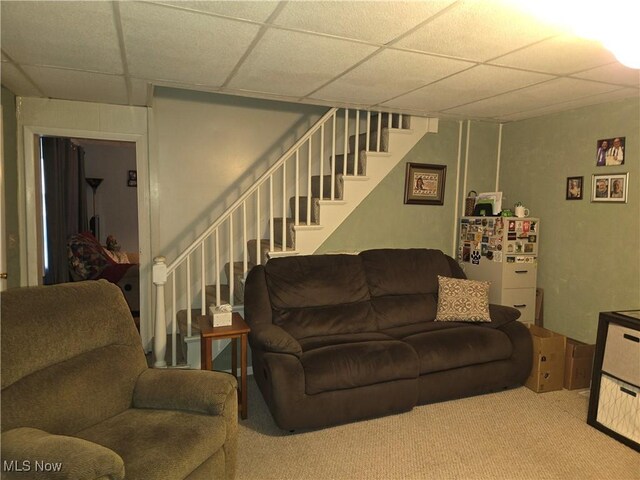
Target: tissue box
x=221, y=315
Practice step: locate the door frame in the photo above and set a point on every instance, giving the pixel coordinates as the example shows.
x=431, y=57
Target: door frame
x=30, y=220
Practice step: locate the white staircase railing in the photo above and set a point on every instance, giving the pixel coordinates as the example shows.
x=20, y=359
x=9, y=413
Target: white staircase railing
x=282, y=188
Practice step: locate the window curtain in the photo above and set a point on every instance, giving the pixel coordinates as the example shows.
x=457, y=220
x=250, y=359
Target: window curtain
x=65, y=200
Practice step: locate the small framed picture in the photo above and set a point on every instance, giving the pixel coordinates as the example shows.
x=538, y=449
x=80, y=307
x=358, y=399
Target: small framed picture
x=610, y=151
x=424, y=184
x=574, y=188
x=610, y=188
x=133, y=178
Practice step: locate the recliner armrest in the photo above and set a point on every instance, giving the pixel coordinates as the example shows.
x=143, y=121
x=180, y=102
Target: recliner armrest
x=28, y=452
x=501, y=315
x=191, y=390
x=271, y=338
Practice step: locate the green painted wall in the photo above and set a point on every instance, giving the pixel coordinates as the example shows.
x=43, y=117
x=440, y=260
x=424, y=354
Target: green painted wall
x=383, y=220
x=589, y=258
x=10, y=146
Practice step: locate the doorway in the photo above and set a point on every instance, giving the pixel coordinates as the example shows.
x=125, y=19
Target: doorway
x=89, y=213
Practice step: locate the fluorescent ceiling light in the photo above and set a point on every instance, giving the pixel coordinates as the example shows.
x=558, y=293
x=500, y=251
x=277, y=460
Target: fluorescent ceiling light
x=614, y=23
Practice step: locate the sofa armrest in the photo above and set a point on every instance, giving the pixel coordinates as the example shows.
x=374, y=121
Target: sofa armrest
x=257, y=304
x=501, y=315
x=271, y=338
x=198, y=391
x=29, y=449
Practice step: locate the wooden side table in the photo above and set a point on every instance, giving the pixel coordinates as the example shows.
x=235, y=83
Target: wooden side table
x=237, y=330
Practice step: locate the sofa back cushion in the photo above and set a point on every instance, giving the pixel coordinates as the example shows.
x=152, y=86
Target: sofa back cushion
x=319, y=295
x=403, y=284
x=70, y=356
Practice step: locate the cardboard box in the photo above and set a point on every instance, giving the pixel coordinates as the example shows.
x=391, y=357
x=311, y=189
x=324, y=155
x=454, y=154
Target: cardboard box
x=578, y=364
x=547, y=372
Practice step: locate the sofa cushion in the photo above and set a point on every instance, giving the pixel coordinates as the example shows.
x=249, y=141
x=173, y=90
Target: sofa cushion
x=397, y=310
x=315, y=281
x=421, y=327
x=351, y=365
x=462, y=300
x=450, y=348
x=159, y=443
x=404, y=271
x=311, y=343
x=332, y=320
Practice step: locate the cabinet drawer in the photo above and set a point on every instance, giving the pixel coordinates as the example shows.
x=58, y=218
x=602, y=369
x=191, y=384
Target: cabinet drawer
x=524, y=299
x=618, y=407
x=520, y=275
x=622, y=353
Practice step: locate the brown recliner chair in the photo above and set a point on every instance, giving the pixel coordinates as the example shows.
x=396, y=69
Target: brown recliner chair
x=77, y=394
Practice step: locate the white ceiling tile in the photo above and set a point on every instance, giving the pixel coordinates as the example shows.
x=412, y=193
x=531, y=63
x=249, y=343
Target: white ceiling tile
x=16, y=82
x=78, y=35
x=76, y=85
x=252, y=10
x=582, y=102
x=417, y=70
x=175, y=45
x=612, y=73
x=477, y=30
x=468, y=86
x=378, y=22
x=544, y=94
x=559, y=55
x=292, y=63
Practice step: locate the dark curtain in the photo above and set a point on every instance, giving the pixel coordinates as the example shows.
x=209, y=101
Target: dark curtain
x=65, y=202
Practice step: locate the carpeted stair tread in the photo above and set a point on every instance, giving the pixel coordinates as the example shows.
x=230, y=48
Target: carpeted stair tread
x=373, y=141
x=362, y=163
x=326, y=186
x=265, y=248
x=302, y=213
x=289, y=231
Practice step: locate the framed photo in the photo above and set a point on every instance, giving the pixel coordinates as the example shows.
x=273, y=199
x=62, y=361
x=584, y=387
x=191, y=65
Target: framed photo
x=133, y=178
x=424, y=184
x=610, y=151
x=574, y=188
x=610, y=188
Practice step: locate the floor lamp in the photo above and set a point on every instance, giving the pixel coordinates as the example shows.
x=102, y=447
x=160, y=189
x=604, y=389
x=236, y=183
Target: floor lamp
x=94, y=221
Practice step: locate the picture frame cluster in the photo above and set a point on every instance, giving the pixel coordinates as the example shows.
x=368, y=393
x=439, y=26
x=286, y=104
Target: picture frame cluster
x=605, y=188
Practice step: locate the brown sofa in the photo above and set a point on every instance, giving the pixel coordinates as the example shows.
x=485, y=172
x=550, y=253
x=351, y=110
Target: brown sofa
x=76, y=391
x=336, y=338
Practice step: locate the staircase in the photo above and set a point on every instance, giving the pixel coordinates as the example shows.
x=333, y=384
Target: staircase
x=291, y=210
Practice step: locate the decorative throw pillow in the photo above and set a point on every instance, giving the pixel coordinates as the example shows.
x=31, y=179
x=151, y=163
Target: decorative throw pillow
x=462, y=300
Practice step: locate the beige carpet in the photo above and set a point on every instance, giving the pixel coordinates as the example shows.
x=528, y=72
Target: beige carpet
x=516, y=434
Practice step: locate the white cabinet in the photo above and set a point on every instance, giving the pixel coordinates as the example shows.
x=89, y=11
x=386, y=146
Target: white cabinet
x=504, y=251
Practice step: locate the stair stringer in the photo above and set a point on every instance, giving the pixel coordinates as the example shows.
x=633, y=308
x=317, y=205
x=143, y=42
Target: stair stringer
x=357, y=188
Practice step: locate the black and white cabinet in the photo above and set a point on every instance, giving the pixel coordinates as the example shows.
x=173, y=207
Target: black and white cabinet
x=504, y=251
x=614, y=403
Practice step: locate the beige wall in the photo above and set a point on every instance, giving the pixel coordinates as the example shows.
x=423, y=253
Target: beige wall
x=116, y=202
x=207, y=149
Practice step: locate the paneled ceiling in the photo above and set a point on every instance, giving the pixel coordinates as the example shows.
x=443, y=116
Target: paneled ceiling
x=479, y=59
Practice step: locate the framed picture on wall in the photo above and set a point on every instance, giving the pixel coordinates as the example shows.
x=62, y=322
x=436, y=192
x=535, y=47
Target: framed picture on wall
x=424, y=184
x=610, y=188
x=610, y=151
x=574, y=188
x=133, y=178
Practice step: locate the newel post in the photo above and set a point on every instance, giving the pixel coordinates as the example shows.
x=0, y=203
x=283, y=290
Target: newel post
x=160, y=334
